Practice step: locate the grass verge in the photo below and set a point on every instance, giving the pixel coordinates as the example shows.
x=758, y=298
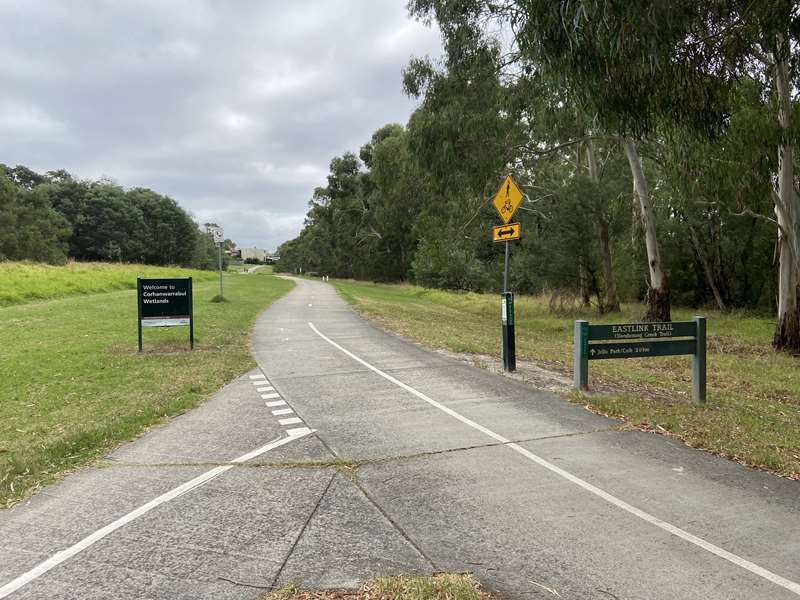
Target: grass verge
x=72, y=384
x=753, y=409
x=22, y=282
x=442, y=586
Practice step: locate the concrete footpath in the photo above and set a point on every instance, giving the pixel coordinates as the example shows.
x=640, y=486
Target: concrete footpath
x=351, y=453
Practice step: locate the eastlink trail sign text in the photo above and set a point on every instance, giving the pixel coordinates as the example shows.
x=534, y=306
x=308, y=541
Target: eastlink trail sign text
x=164, y=303
x=642, y=340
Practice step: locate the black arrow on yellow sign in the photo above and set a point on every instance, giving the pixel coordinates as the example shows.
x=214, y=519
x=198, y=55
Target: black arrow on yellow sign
x=505, y=233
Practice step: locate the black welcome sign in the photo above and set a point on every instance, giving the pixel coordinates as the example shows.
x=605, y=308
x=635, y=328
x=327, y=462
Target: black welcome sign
x=164, y=303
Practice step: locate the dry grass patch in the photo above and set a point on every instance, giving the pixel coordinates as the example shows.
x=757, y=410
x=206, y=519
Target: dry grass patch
x=440, y=586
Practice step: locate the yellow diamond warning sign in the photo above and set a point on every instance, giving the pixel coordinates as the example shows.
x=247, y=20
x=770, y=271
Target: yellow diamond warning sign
x=504, y=233
x=507, y=199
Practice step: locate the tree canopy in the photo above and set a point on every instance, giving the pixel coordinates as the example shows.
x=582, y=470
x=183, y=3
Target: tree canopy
x=52, y=217
x=654, y=142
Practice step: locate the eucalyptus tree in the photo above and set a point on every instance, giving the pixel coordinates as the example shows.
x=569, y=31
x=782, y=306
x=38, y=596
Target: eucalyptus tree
x=462, y=137
x=535, y=53
x=395, y=190
x=646, y=64
x=29, y=227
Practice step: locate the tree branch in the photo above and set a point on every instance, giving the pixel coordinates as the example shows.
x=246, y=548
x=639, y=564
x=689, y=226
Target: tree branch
x=537, y=152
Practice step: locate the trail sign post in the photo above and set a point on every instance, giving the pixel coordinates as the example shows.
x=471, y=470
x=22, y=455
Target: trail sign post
x=164, y=303
x=509, y=340
x=641, y=340
x=506, y=202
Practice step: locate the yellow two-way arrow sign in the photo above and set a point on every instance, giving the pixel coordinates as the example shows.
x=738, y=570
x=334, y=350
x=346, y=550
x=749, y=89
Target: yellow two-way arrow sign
x=504, y=233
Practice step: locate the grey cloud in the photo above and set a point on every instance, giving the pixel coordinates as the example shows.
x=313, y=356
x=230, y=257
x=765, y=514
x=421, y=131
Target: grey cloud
x=234, y=109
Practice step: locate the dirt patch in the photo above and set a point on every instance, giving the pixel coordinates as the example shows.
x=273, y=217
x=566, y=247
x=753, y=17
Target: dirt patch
x=439, y=586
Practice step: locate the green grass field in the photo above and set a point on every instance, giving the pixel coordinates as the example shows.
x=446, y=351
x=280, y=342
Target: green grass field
x=23, y=281
x=753, y=409
x=72, y=384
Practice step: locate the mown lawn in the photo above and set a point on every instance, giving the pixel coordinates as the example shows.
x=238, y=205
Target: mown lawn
x=72, y=384
x=24, y=281
x=753, y=409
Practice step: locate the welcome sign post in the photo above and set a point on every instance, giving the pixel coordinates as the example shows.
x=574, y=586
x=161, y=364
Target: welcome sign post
x=165, y=303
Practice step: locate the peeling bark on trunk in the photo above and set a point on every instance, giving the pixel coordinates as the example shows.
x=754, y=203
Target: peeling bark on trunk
x=658, y=294
x=612, y=299
x=787, y=331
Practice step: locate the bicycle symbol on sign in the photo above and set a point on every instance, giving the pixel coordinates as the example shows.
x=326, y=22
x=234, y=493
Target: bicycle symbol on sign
x=508, y=207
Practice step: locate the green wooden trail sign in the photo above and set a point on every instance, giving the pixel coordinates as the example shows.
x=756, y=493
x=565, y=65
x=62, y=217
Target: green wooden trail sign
x=642, y=340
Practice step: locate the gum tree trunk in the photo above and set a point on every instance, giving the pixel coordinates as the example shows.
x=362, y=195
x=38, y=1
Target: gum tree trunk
x=612, y=299
x=658, y=294
x=787, y=330
x=707, y=268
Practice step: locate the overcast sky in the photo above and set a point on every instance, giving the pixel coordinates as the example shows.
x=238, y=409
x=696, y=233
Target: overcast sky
x=234, y=109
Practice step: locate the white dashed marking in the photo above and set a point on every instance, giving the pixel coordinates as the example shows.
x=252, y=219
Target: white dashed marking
x=259, y=376
x=282, y=411
x=290, y=421
x=268, y=388
x=299, y=431
x=270, y=396
x=276, y=403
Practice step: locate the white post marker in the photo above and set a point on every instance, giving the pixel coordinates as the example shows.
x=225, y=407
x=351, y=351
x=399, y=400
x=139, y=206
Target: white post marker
x=218, y=235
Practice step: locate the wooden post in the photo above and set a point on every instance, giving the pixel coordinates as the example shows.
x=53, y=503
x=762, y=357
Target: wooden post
x=699, y=362
x=139, y=310
x=191, y=316
x=580, y=359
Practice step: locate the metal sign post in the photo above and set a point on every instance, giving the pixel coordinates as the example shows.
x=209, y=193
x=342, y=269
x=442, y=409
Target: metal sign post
x=641, y=340
x=506, y=201
x=220, y=271
x=219, y=236
x=509, y=340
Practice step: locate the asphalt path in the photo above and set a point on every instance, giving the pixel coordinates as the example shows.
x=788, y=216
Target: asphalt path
x=351, y=453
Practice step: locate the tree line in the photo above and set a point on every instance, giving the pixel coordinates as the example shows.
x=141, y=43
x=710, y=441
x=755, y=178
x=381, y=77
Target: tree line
x=655, y=143
x=51, y=217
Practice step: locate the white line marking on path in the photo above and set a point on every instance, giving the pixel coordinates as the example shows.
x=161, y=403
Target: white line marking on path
x=298, y=431
x=259, y=376
x=282, y=411
x=63, y=555
x=645, y=516
x=276, y=403
x=268, y=388
x=270, y=396
x=290, y=421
